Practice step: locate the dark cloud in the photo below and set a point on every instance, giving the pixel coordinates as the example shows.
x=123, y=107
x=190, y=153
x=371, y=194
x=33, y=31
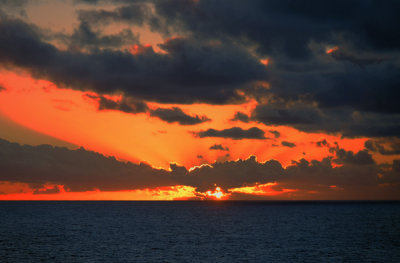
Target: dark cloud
x=136, y=13
x=322, y=143
x=360, y=76
x=308, y=118
x=275, y=133
x=219, y=147
x=82, y=170
x=283, y=26
x=351, y=91
x=85, y=37
x=127, y=105
x=396, y=166
x=348, y=157
x=361, y=60
x=175, y=114
x=235, y=133
x=51, y=190
x=240, y=116
x=2, y=88
x=393, y=146
x=77, y=170
x=276, y=114
x=189, y=71
x=288, y=144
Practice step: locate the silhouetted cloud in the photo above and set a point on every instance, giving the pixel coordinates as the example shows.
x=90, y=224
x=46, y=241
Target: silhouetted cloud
x=288, y=144
x=176, y=114
x=188, y=71
x=275, y=133
x=322, y=143
x=129, y=105
x=348, y=157
x=332, y=70
x=82, y=170
x=240, y=116
x=219, y=147
x=125, y=104
x=379, y=146
x=308, y=118
x=235, y=133
x=77, y=170
x=52, y=190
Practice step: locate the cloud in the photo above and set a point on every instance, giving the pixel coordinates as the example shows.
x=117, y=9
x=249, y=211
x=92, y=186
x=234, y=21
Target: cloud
x=351, y=91
x=219, y=147
x=322, y=143
x=82, y=170
x=235, y=133
x=240, y=116
x=379, y=146
x=295, y=38
x=2, y=88
x=51, y=190
x=77, y=170
x=269, y=24
x=288, y=144
x=308, y=118
x=126, y=105
x=13, y=7
x=188, y=71
x=129, y=105
x=275, y=133
x=84, y=37
x=348, y=157
x=175, y=114
x=136, y=13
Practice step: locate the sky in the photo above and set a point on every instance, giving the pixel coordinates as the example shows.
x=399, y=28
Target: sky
x=199, y=100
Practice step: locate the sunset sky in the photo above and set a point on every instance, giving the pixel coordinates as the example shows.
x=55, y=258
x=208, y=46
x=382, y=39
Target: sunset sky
x=199, y=100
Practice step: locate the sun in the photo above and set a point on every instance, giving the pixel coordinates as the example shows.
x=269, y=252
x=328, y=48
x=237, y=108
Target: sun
x=218, y=194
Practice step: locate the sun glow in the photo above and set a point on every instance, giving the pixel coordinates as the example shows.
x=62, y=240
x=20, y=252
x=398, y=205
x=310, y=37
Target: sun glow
x=331, y=50
x=262, y=189
x=265, y=61
x=218, y=194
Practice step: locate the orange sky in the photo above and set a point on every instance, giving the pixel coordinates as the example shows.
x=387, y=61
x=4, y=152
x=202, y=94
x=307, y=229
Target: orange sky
x=35, y=111
x=72, y=117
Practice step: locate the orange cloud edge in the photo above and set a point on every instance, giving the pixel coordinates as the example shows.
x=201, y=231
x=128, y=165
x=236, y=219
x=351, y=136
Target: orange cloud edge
x=177, y=192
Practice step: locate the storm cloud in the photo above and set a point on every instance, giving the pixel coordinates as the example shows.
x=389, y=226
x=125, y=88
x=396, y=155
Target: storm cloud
x=188, y=71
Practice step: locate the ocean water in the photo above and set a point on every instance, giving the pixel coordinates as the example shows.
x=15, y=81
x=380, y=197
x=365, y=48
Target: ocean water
x=199, y=231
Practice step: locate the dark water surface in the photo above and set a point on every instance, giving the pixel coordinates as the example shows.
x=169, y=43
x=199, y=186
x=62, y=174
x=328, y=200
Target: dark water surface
x=199, y=232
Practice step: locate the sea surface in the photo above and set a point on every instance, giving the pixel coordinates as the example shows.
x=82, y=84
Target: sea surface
x=188, y=231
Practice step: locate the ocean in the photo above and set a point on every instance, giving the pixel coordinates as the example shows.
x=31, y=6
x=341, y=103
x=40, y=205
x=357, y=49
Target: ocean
x=186, y=231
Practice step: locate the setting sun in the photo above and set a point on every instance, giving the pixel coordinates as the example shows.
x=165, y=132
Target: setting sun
x=216, y=194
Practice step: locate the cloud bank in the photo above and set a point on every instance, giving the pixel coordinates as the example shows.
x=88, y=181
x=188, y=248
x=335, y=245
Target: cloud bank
x=357, y=177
